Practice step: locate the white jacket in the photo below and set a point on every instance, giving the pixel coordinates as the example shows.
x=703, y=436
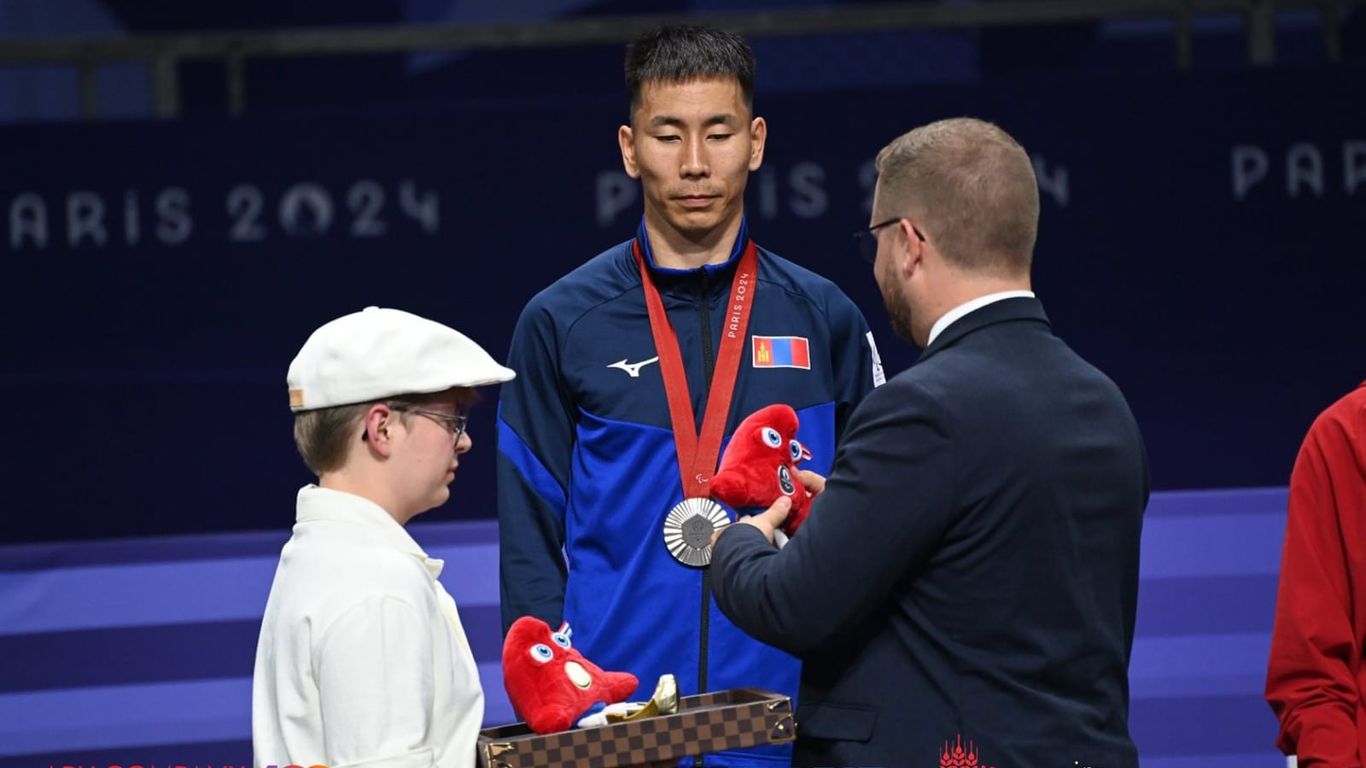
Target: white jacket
x=362, y=659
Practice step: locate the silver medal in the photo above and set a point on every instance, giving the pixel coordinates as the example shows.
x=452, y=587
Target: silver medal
x=688, y=529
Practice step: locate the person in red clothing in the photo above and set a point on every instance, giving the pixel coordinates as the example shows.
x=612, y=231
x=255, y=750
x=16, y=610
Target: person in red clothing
x=1314, y=678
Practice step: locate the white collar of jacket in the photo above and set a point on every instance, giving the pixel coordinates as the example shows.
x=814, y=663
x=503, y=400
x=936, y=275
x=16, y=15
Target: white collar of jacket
x=969, y=306
x=317, y=504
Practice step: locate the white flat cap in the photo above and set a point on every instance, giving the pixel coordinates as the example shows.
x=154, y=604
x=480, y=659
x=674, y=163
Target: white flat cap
x=379, y=353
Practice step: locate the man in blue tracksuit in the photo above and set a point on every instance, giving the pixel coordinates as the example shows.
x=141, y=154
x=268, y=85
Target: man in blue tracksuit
x=619, y=363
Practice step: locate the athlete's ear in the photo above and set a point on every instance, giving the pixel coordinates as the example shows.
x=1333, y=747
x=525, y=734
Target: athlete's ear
x=626, y=140
x=758, y=135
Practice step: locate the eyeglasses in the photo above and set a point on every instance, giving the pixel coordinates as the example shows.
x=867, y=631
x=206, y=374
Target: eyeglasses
x=453, y=422
x=866, y=239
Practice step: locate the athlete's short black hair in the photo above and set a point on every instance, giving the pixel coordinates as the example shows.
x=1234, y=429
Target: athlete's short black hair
x=682, y=53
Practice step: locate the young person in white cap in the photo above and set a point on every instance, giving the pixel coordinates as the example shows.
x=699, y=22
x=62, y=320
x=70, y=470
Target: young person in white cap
x=362, y=659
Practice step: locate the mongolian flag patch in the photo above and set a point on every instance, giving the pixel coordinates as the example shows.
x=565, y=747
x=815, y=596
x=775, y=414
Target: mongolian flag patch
x=781, y=352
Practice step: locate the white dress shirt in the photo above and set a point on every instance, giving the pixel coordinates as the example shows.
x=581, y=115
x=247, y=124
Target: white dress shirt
x=968, y=306
x=362, y=660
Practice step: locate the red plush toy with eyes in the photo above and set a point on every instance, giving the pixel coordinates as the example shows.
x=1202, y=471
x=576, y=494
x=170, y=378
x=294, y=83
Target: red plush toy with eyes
x=551, y=685
x=760, y=464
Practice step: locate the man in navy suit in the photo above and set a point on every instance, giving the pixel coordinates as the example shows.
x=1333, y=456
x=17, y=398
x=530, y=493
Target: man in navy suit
x=966, y=582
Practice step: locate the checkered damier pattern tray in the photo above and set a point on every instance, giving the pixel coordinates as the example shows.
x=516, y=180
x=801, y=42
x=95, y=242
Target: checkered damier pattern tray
x=711, y=722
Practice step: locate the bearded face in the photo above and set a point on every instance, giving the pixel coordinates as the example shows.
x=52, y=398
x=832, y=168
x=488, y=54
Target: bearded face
x=894, y=297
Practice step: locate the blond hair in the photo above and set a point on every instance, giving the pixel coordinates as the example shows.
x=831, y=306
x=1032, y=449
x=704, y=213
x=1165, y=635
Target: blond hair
x=323, y=436
x=971, y=186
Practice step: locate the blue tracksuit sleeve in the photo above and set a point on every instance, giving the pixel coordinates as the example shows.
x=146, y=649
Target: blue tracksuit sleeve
x=535, y=441
x=857, y=367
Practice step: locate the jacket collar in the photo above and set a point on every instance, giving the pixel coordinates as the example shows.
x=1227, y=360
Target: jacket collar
x=325, y=504
x=1005, y=310
x=713, y=274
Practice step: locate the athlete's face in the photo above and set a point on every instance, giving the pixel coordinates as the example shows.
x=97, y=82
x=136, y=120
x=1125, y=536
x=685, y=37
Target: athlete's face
x=692, y=145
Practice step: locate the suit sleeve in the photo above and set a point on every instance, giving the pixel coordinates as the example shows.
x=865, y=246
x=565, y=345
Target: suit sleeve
x=857, y=366
x=1311, y=682
x=887, y=504
x=535, y=441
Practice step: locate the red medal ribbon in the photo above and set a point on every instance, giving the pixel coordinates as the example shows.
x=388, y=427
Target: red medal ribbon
x=697, y=454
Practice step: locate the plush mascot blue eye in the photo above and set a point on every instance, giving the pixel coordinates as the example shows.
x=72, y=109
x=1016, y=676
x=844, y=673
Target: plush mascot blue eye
x=771, y=437
x=560, y=639
x=795, y=448
x=542, y=653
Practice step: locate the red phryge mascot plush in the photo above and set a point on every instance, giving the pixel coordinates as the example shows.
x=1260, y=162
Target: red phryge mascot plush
x=552, y=685
x=760, y=464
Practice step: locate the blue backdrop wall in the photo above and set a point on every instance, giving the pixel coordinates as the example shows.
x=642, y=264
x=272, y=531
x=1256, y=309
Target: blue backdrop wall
x=1201, y=242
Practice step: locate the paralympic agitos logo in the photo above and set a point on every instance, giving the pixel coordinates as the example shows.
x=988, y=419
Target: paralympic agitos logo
x=958, y=756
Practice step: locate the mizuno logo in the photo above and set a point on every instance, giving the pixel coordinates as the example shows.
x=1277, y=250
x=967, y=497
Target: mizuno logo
x=632, y=369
